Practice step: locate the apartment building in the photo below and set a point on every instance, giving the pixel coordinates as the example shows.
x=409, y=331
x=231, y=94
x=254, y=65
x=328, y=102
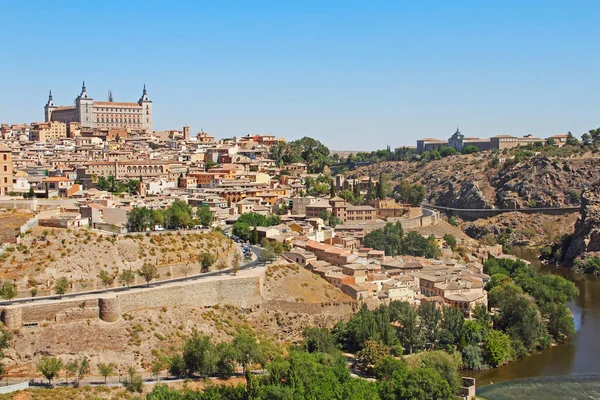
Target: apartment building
x=6, y=169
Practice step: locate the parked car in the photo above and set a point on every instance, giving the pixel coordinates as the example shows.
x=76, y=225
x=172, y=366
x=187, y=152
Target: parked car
x=159, y=228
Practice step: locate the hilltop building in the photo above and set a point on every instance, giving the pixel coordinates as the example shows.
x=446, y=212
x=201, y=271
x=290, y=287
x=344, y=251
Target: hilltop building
x=459, y=141
x=102, y=114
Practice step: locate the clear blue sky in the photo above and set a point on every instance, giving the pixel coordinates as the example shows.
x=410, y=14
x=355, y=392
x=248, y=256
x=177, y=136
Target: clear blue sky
x=357, y=75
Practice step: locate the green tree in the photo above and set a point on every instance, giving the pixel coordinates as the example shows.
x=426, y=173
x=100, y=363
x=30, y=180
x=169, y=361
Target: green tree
x=412, y=194
x=71, y=369
x=179, y=214
x=586, y=139
x=370, y=355
x=106, y=369
x=450, y=240
x=267, y=254
x=472, y=357
x=572, y=140
x=61, y=286
x=149, y=272
x=133, y=381
x=469, y=150
x=348, y=196
x=127, y=277
x=247, y=351
x=208, y=260
x=242, y=230
x=497, y=348
x=225, y=354
x=106, y=278
x=319, y=340
x=199, y=355
x=83, y=369
x=560, y=321
x=446, y=151
x=140, y=219
x=431, y=318
x=49, y=367
x=254, y=236
x=205, y=215
x=389, y=367
x=423, y=384
x=176, y=365
x=8, y=290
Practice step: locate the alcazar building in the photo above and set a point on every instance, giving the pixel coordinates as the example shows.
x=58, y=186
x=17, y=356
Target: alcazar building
x=102, y=114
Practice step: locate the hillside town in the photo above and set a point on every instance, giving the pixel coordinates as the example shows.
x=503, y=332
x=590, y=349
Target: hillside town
x=91, y=176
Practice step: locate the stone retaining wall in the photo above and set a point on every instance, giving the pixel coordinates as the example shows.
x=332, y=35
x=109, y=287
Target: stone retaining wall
x=245, y=291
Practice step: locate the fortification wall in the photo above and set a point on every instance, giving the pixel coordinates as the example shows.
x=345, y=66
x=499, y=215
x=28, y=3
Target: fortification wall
x=242, y=291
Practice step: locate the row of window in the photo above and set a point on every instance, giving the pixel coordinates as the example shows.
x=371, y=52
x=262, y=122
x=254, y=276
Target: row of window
x=121, y=120
x=132, y=110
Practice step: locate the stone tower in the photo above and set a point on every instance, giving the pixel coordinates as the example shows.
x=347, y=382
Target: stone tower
x=49, y=107
x=146, y=104
x=84, y=109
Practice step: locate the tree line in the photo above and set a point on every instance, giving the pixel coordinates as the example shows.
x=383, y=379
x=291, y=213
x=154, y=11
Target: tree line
x=394, y=242
x=178, y=215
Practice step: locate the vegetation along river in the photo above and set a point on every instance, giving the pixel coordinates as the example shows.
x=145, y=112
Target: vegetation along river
x=580, y=355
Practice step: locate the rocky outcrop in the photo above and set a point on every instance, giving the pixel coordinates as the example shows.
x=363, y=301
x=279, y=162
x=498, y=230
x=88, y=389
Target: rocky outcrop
x=586, y=239
x=540, y=182
x=464, y=194
x=471, y=181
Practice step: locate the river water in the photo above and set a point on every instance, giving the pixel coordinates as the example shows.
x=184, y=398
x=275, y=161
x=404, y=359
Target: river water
x=580, y=355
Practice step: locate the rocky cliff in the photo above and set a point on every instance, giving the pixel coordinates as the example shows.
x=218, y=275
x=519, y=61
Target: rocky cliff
x=586, y=239
x=471, y=181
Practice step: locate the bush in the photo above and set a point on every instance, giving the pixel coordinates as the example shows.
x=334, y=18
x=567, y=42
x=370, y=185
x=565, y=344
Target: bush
x=133, y=381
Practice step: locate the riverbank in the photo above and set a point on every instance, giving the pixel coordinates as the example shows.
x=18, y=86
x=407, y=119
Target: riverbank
x=578, y=355
x=548, y=387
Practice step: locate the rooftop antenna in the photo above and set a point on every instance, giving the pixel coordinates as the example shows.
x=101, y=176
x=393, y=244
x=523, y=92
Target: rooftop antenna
x=110, y=96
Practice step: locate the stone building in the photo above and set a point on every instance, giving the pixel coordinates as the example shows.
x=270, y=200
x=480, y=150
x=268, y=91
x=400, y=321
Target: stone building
x=44, y=131
x=102, y=115
x=6, y=170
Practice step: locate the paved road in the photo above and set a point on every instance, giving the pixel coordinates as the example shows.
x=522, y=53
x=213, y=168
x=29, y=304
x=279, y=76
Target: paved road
x=255, y=262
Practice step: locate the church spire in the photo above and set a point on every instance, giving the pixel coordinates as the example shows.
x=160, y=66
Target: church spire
x=50, y=95
x=145, y=89
x=83, y=87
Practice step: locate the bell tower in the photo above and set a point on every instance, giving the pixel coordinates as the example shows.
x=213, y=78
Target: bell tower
x=146, y=105
x=49, y=107
x=84, y=108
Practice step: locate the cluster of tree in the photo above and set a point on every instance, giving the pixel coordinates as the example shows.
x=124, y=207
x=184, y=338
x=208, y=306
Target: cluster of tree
x=245, y=226
x=203, y=358
x=50, y=367
x=329, y=219
x=393, y=241
x=323, y=374
x=405, y=328
x=399, y=154
x=589, y=265
x=320, y=186
x=413, y=194
x=306, y=150
x=531, y=307
x=110, y=184
x=272, y=249
x=178, y=215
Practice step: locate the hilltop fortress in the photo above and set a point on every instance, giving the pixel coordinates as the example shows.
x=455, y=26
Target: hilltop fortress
x=102, y=114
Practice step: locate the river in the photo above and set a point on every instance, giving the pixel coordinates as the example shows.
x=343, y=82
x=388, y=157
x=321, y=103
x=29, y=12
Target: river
x=579, y=355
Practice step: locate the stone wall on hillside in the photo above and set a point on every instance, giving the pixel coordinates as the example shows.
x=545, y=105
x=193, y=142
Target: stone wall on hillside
x=244, y=292
x=331, y=308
